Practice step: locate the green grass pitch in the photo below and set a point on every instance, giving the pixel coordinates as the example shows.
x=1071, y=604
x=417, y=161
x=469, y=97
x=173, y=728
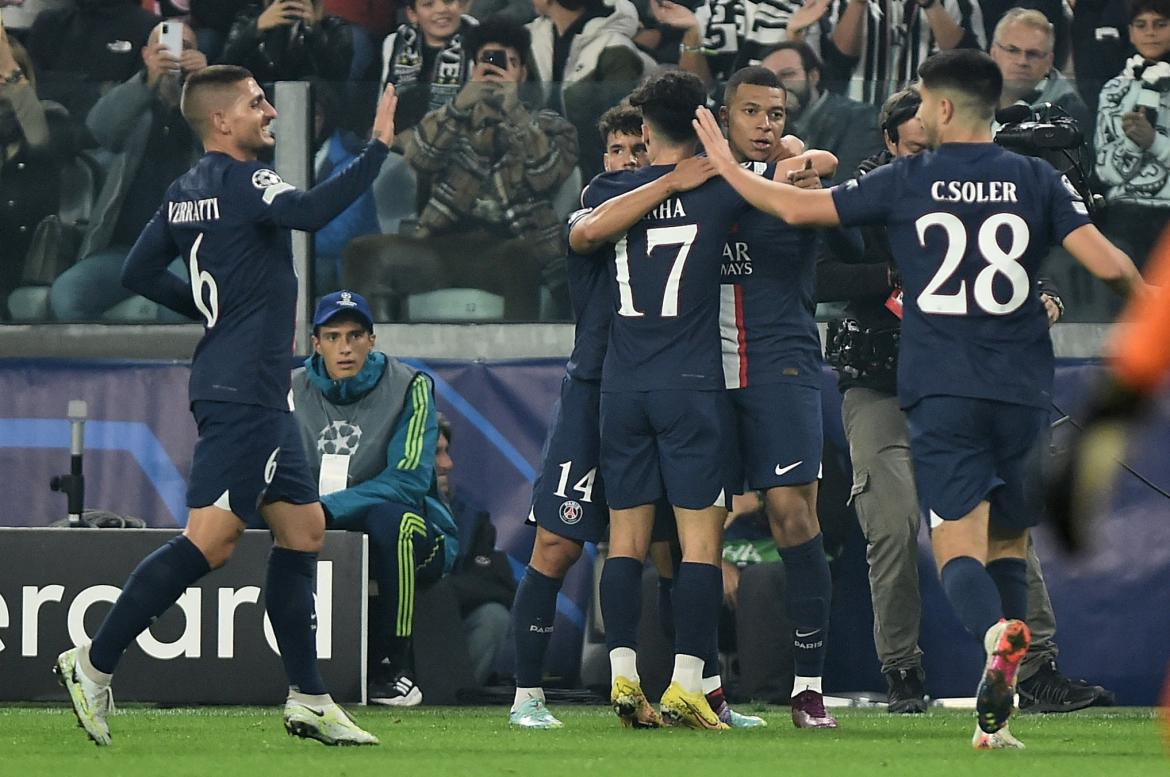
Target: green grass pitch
x=226, y=742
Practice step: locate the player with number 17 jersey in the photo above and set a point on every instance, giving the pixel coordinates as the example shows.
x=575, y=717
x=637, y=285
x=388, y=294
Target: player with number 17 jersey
x=663, y=363
x=968, y=225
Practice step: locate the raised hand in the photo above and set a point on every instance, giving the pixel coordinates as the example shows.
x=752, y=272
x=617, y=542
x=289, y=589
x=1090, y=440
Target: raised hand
x=159, y=61
x=384, y=118
x=806, y=16
x=674, y=15
x=691, y=173
x=281, y=13
x=711, y=136
x=806, y=177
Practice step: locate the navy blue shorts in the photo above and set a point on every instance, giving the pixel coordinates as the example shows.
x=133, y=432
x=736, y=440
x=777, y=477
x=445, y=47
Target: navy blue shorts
x=568, y=497
x=676, y=444
x=247, y=455
x=780, y=433
x=968, y=450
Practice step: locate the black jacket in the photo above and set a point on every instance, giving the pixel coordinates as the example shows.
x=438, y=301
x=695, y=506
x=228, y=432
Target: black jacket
x=290, y=52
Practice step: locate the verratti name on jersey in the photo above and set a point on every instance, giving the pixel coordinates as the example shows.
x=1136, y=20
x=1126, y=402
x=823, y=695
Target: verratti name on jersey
x=193, y=210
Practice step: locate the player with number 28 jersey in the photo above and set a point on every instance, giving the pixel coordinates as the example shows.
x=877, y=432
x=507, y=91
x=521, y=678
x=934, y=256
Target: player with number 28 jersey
x=969, y=225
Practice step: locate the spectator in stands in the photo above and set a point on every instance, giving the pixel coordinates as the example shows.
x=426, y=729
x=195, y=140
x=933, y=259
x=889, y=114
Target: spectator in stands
x=1133, y=150
x=520, y=10
x=290, y=40
x=506, y=215
x=368, y=426
x=1099, y=45
x=427, y=60
x=337, y=143
x=823, y=120
x=1052, y=10
x=723, y=36
x=1022, y=46
x=151, y=144
x=370, y=21
x=86, y=48
x=35, y=140
x=584, y=55
x=876, y=46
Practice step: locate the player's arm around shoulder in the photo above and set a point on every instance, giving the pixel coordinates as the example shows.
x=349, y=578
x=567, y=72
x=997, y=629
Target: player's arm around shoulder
x=610, y=219
x=792, y=204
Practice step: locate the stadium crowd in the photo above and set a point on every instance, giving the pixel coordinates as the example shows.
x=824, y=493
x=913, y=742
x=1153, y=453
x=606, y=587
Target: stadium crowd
x=89, y=101
x=506, y=113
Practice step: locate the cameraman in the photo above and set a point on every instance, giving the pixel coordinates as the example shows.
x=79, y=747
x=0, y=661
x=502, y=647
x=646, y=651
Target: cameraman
x=864, y=351
x=1133, y=150
x=1022, y=47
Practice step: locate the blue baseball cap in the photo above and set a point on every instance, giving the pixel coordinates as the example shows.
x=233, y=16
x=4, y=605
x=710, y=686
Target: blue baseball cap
x=342, y=302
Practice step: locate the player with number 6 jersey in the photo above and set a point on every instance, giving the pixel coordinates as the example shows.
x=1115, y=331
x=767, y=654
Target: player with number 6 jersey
x=229, y=218
x=968, y=224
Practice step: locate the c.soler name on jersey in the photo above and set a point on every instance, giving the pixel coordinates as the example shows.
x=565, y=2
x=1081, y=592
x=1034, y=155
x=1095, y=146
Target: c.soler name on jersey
x=193, y=210
x=973, y=191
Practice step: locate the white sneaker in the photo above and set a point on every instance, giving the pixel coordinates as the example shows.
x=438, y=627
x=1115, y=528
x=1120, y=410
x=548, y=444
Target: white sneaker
x=1000, y=740
x=92, y=701
x=329, y=724
x=399, y=692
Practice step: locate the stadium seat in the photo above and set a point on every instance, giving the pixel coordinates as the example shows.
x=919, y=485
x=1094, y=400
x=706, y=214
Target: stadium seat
x=130, y=310
x=29, y=303
x=455, y=305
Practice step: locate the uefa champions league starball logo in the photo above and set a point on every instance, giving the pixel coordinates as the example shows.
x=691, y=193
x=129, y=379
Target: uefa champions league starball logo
x=339, y=437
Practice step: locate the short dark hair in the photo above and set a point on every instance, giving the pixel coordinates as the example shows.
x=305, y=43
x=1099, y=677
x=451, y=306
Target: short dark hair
x=1139, y=7
x=621, y=119
x=210, y=79
x=970, y=72
x=668, y=101
x=501, y=30
x=898, y=108
x=444, y=426
x=752, y=75
x=808, y=56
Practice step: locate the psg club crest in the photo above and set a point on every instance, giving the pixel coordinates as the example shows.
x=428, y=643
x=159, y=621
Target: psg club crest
x=571, y=512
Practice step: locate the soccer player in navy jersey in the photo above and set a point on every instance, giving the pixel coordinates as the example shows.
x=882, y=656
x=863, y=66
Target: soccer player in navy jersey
x=665, y=419
x=229, y=218
x=772, y=369
x=968, y=223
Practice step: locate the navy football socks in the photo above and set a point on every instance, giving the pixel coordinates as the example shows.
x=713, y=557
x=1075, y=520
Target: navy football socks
x=698, y=592
x=808, y=590
x=154, y=585
x=288, y=599
x=621, y=601
x=972, y=594
x=1011, y=579
x=533, y=612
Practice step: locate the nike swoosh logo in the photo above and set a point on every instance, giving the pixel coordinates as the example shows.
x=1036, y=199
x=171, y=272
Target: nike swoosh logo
x=781, y=470
x=803, y=634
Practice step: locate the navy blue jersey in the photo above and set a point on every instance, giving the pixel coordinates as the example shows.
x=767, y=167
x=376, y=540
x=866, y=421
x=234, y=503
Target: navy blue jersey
x=589, y=293
x=665, y=288
x=230, y=222
x=968, y=226
x=767, y=304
